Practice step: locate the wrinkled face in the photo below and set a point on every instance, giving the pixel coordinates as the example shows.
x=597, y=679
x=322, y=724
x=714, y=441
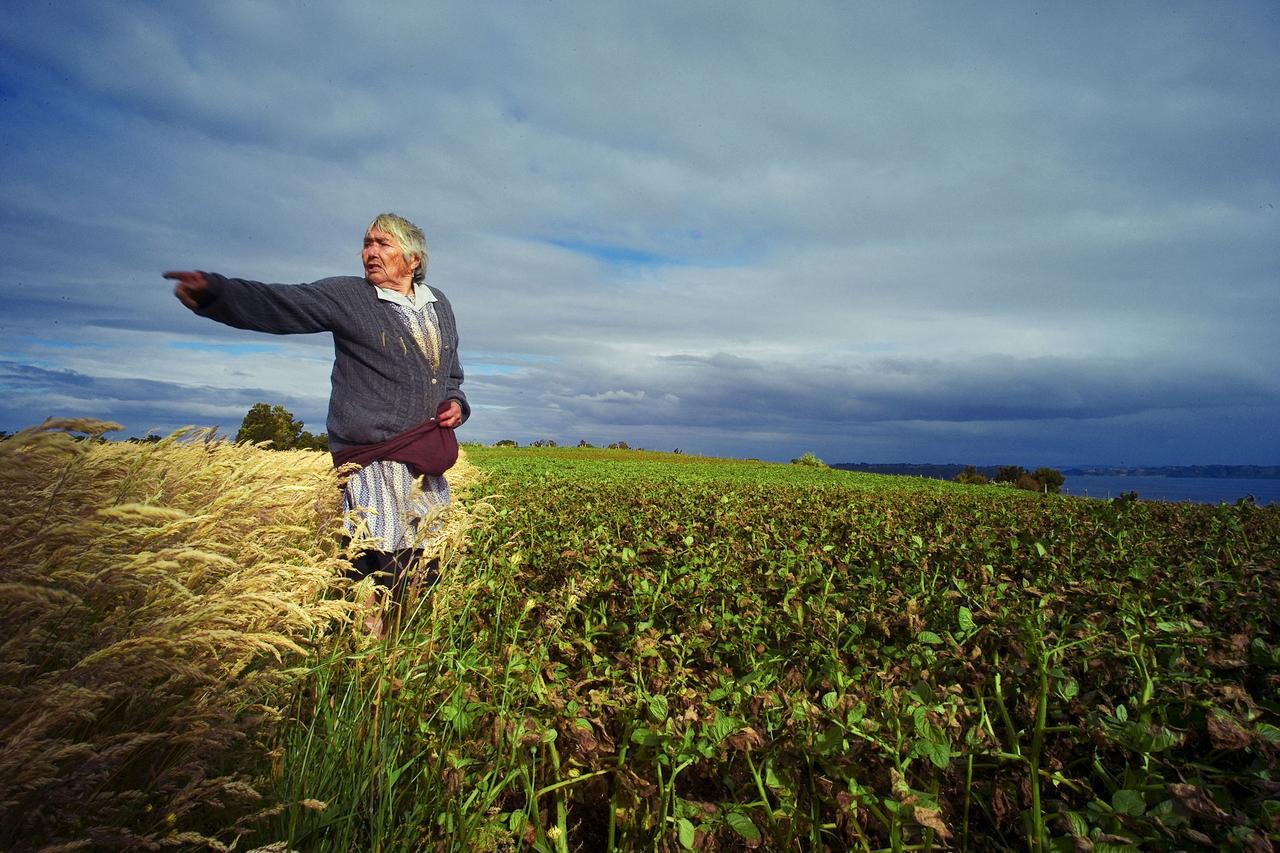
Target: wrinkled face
x=384, y=262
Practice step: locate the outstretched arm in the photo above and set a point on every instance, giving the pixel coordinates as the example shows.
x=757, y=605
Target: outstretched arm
x=281, y=309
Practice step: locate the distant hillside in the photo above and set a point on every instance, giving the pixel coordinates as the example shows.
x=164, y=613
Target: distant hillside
x=1218, y=472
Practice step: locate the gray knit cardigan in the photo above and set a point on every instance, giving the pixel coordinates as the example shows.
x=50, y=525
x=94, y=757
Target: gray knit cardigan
x=382, y=383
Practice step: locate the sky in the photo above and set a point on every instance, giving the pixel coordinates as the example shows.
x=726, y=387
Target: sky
x=986, y=233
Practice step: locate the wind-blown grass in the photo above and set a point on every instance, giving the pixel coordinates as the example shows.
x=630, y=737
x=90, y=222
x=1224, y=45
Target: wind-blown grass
x=149, y=595
x=360, y=766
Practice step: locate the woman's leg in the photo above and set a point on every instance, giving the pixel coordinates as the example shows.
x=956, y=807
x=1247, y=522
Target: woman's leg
x=393, y=573
x=382, y=568
x=379, y=564
x=411, y=569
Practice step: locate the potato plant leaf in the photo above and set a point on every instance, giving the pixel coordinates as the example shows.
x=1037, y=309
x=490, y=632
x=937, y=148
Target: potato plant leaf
x=743, y=825
x=1128, y=801
x=686, y=832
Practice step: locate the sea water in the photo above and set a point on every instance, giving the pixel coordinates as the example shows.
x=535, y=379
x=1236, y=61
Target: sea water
x=1202, y=490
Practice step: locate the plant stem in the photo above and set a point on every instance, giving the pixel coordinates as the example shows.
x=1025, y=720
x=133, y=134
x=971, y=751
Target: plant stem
x=1039, y=839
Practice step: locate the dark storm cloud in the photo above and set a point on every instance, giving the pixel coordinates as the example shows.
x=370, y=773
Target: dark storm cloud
x=704, y=391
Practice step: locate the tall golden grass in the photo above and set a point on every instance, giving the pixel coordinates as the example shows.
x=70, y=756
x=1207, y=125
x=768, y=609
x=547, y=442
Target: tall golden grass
x=151, y=597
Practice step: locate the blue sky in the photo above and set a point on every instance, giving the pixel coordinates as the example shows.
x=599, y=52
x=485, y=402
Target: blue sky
x=928, y=232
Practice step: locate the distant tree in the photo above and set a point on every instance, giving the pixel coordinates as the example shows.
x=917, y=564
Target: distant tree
x=544, y=442
x=1010, y=473
x=307, y=441
x=506, y=442
x=1028, y=483
x=1050, y=480
x=585, y=443
x=811, y=460
x=619, y=445
x=276, y=424
x=971, y=476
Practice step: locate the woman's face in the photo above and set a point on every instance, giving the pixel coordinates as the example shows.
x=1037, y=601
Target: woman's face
x=384, y=263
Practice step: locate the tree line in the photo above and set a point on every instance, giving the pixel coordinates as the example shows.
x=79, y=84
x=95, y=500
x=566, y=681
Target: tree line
x=1047, y=480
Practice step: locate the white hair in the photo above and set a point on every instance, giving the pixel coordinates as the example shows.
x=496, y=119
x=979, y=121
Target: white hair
x=412, y=242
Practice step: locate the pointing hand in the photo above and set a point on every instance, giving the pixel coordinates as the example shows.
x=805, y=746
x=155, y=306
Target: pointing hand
x=190, y=288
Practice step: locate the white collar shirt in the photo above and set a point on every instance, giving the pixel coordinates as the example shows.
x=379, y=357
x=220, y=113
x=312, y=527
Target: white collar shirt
x=422, y=296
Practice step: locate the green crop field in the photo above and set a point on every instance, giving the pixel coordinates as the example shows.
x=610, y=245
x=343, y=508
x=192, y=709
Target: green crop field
x=643, y=651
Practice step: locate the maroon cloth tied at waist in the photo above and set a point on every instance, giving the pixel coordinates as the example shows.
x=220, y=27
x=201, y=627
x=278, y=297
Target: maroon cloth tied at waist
x=427, y=448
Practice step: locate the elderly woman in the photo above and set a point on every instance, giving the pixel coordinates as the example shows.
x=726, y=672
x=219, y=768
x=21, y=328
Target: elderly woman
x=396, y=378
